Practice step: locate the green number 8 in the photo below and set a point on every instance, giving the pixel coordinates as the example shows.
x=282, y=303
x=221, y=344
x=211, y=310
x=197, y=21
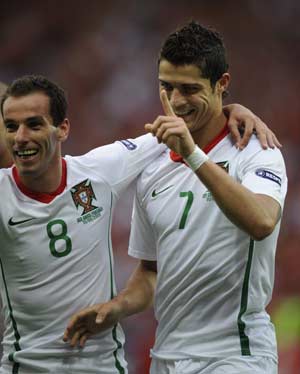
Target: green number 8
x=55, y=237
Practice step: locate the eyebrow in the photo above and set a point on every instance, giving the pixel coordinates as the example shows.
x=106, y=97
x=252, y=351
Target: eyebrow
x=191, y=85
x=8, y=120
x=195, y=84
x=29, y=119
x=35, y=119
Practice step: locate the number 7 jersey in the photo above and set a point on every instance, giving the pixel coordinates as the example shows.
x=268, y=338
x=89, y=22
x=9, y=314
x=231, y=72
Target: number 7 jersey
x=56, y=258
x=213, y=281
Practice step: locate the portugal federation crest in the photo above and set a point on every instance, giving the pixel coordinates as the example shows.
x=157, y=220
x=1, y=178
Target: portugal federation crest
x=83, y=195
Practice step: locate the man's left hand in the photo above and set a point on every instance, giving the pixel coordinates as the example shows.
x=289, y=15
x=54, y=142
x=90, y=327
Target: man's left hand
x=241, y=118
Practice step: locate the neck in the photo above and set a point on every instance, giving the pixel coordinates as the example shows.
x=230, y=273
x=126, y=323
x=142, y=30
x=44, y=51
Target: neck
x=210, y=130
x=45, y=182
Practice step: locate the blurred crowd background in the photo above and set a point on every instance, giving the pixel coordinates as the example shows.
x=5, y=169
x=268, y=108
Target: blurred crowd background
x=104, y=54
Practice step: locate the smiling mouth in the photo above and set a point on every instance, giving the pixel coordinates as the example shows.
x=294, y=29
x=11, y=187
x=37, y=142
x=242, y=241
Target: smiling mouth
x=26, y=153
x=185, y=114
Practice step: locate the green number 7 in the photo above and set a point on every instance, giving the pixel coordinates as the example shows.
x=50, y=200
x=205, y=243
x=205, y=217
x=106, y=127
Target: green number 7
x=190, y=198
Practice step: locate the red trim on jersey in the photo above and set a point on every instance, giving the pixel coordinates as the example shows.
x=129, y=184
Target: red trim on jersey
x=40, y=196
x=225, y=131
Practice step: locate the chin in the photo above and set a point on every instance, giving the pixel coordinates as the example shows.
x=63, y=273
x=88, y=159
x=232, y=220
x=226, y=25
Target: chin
x=25, y=172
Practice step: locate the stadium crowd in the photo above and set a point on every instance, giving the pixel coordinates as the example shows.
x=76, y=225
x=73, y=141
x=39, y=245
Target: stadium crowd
x=104, y=54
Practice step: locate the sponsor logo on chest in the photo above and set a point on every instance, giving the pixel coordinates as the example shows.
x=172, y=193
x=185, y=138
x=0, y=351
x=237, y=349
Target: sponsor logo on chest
x=18, y=221
x=157, y=192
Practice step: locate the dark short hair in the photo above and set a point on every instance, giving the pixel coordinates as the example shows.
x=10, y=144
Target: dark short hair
x=36, y=83
x=197, y=45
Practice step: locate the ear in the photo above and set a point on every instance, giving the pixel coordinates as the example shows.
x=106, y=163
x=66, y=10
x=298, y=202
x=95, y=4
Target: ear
x=62, y=130
x=223, y=83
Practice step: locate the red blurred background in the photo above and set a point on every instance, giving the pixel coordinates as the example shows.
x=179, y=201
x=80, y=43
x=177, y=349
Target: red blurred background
x=104, y=54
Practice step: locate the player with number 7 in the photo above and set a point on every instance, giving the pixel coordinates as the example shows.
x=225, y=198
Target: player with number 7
x=205, y=225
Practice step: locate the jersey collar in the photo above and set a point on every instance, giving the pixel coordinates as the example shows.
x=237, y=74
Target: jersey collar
x=40, y=196
x=225, y=131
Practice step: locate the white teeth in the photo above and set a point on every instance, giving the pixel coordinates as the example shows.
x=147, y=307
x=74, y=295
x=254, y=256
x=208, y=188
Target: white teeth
x=27, y=152
x=185, y=113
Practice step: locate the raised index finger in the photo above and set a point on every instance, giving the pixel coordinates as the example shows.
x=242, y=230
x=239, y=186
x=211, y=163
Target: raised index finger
x=166, y=104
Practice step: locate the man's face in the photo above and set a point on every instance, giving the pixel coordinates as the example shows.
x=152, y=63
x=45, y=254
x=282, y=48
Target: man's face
x=32, y=139
x=191, y=96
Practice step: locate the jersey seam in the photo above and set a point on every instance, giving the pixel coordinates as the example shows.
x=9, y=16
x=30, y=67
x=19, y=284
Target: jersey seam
x=244, y=339
x=118, y=365
x=17, y=346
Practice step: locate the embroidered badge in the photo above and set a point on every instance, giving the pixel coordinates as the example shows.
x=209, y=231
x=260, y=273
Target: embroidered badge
x=83, y=196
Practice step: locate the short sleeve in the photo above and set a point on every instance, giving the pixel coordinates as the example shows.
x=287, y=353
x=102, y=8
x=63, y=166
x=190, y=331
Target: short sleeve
x=142, y=243
x=264, y=173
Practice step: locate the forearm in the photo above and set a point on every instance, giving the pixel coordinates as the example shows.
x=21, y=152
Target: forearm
x=137, y=296
x=139, y=292
x=255, y=214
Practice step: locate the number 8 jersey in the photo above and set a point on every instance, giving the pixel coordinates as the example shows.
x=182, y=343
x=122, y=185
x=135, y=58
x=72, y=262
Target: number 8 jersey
x=56, y=258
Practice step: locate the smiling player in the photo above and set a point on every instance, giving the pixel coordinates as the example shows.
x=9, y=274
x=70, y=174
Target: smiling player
x=205, y=226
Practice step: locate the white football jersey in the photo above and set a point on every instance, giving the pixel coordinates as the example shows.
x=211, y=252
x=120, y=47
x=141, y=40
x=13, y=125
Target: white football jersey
x=214, y=281
x=56, y=258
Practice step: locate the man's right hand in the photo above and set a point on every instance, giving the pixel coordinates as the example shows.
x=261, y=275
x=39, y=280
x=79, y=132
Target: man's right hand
x=91, y=321
x=171, y=130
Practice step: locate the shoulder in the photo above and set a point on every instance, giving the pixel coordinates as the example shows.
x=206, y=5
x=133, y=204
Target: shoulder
x=117, y=150
x=119, y=163
x=6, y=185
x=254, y=151
x=96, y=158
x=264, y=163
x=4, y=173
x=159, y=164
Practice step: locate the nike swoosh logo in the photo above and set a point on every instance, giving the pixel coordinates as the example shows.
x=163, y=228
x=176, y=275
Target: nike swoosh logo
x=155, y=193
x=14, y=223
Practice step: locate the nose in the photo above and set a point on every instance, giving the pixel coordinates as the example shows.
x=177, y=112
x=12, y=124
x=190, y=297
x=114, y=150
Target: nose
x=176, y=98
x=21, y=135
